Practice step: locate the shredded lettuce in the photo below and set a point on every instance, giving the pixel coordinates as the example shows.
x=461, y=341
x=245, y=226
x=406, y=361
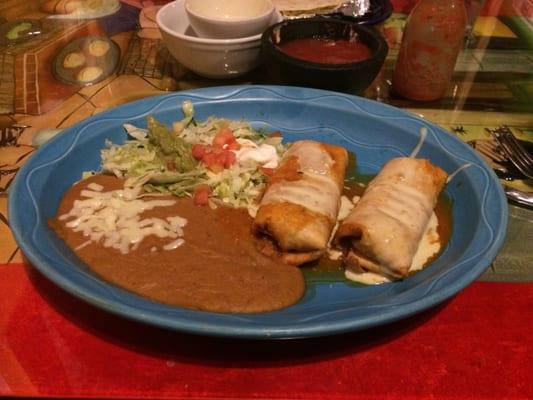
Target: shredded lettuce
x=161, y=159
x=237, y=186
x=133, y=158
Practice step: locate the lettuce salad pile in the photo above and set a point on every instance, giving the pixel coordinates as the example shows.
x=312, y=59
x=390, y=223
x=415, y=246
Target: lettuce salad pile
x=160, y=159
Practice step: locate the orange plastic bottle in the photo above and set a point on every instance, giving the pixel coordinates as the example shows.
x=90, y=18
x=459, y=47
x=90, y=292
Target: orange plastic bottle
x=433, y=35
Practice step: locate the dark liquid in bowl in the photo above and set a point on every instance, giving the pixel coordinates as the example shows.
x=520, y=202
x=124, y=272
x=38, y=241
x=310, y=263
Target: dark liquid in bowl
x=326, y=51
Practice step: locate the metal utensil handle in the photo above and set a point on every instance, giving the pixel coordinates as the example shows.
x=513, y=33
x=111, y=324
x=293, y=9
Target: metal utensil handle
x=522, y=198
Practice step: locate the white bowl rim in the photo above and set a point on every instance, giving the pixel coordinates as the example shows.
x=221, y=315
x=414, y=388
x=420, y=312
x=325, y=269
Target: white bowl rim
x=195, y=39
x=226, y=21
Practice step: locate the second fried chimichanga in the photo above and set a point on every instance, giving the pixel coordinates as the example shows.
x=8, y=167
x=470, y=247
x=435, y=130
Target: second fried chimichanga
x=382, y=233
x=299, y=208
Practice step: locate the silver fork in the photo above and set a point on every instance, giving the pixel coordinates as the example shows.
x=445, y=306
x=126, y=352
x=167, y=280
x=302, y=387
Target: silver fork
x=493, y=155
x=514, y=151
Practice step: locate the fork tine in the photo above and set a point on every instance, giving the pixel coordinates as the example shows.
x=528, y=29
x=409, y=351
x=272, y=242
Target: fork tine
x=517, y=146
x=493, y=154
x=519, y=163
x=519, y=158
x=507, y=134
x=514, y=151
x=526, y=169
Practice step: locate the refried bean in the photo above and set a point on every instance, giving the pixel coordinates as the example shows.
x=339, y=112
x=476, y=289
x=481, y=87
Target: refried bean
x=219, y=267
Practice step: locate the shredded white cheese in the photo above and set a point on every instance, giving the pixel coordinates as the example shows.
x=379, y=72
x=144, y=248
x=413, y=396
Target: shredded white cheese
x=114, y=218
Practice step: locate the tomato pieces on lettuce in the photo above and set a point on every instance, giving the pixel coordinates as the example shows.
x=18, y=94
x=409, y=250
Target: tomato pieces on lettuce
x=201, y=195
x=219, y=155
x=198, y=151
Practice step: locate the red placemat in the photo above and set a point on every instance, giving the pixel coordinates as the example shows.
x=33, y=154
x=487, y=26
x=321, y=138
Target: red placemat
x=478, y=345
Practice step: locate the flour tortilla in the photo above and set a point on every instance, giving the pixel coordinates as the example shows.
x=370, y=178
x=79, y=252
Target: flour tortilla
x=301, y=201
x=383, y=231
x=305, y=6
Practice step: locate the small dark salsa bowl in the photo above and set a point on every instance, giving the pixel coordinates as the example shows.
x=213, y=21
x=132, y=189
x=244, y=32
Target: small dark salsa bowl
x=353, y=77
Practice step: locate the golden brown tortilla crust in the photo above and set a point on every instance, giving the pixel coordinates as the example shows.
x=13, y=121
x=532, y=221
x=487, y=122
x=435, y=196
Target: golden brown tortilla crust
x=284, y=221
x=296, y=259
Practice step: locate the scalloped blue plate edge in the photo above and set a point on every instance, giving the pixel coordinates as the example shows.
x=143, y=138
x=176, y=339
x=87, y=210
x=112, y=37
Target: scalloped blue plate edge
x=250, y=332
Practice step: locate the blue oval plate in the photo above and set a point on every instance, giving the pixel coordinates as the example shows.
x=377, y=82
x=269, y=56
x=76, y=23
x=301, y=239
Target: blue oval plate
x=374, y=131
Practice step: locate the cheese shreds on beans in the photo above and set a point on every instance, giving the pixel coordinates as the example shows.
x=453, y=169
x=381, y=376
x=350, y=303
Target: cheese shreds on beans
x=114, y=218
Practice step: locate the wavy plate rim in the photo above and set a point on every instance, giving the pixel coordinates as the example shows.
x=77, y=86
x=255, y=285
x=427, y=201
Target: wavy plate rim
x=182, y=320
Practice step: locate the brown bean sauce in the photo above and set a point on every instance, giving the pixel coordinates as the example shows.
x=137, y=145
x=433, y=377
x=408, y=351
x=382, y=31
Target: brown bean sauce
x=218, y=268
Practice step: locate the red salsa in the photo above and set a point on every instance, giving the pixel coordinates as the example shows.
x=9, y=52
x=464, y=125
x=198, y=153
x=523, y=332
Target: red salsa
x=326, y=51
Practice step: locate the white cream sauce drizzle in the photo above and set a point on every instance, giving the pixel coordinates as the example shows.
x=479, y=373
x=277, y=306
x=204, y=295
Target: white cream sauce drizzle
x=454, y=174
x=429, y=245
x=314, y=192
x=113, y=217
x=416, y=150
x=421, y=140
x=313, y=159
x=317, y=190
x=410, y=206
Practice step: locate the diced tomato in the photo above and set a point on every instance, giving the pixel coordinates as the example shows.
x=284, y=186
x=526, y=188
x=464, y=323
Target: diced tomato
x=201, y=195
x=229, y=158
x=233, y=146
x=266, y=171
x=209, y=159
x=198, y=151
x=223, y=138
x=213, y=162
x=219, y=155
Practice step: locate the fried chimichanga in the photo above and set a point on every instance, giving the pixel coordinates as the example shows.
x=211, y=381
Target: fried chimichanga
x=383, y=231
x=300, y=205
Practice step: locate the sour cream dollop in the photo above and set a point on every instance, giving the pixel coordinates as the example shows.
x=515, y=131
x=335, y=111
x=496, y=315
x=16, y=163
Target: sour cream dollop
x=264, y=154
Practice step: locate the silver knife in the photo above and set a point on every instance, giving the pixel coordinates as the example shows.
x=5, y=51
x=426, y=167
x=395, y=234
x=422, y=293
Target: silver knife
x=517, y=196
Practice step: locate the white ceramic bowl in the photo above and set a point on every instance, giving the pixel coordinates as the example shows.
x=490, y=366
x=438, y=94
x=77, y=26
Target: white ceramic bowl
x=229, y=19
x=211, y=58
